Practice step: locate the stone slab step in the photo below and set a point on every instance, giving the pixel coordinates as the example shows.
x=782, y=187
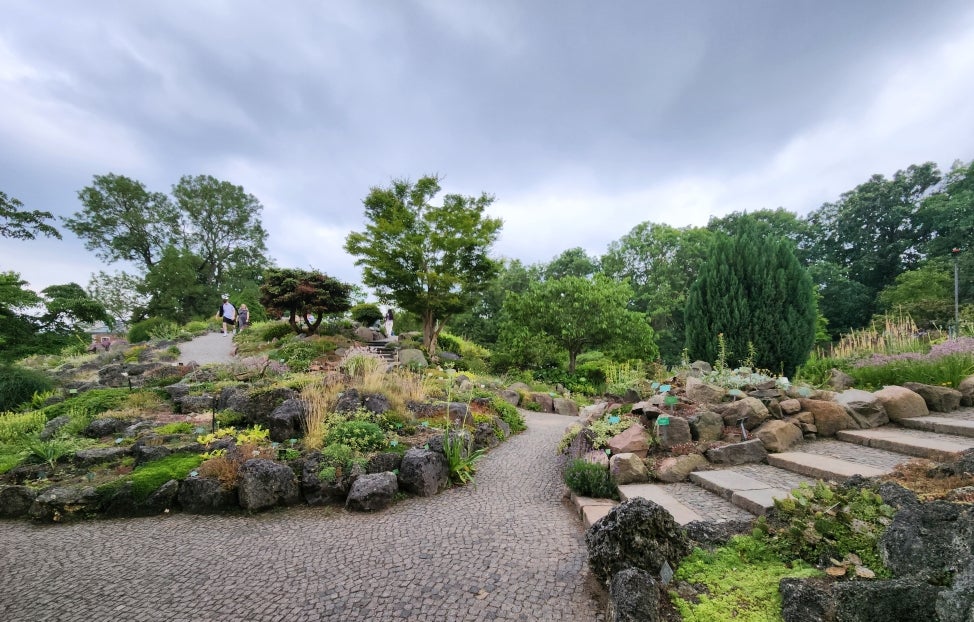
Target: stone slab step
x=937, y=447
x=745, y=492
x=822, y=467
x=941, y=425
x=657, y=493
x=591, y=510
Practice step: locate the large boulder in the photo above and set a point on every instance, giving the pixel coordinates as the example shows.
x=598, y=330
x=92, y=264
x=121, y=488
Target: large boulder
x=544, y=401
x=830, y=417
x=778, y=435
x=384, y=461
x=372, y=491
x=205, y=495
x=966, y=388
x=376, y=403
x=511, y=397
x=61, y=503
x=706, y=426
x=411, y=357
x=806, y=600
x=627, y=468
x=424, y=472
x=96, y=455
x=593, y=412
x=957, y=603
x=750, y=409
x=632, y=441
x=565, y=406
x=885, y=601
x=929, y=539
x=15, y=501
x=188, y=404
x=739, y=453
x=675, y=432
x=938, y=399
x=634, y=596
x=902, y=403
x=265, y=484
x=485, y=436
x=635, y=534
x=701, y=392
x=105, y=426
x=865, y=407
x=287, y=420
x=677, y=468
x=53, y=426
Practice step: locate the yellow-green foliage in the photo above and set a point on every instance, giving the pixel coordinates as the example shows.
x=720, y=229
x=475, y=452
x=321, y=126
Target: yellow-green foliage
x=569, y=437
x=741, y=581
x=14, y=426
x=604, y=429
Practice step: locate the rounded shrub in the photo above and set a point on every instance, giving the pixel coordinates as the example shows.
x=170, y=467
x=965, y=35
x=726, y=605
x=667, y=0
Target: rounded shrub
x=359, y=435
x=19, y=384
x=275, y=330
x=366, y=314
x=590, y=480
x=142, y=331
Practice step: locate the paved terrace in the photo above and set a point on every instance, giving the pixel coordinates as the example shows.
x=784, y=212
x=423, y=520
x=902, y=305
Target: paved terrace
x=507, y=549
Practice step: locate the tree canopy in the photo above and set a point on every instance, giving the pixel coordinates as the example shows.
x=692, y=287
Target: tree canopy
x=308, y=295
x=22, y=224
x=431, y=260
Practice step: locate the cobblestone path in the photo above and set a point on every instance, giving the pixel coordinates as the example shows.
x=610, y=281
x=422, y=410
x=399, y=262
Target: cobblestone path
x=507, y=549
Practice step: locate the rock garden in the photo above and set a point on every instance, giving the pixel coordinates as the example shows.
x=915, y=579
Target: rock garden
x=325, y=420
x=896, y=547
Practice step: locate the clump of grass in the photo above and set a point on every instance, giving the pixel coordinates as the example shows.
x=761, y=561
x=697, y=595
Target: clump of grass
x=320, y=399
x=589, y=480
x=15, y=426
x=177, y=427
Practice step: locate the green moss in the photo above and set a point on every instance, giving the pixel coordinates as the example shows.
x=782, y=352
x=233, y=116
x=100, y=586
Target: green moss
x=9, y=458
x=147, y=478
x=741, y=581
x=95, y=402
x=177, y=427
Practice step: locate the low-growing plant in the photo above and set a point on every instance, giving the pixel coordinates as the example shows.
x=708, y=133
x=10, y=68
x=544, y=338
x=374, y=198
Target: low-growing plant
x=607, y=427
x=51, y=450
x=19, y=384
x=569, y=437
x=589, y=480
x=821, y=522
x=337, y=461
x=298, y=354
x=751, y=596
x=270, y=331
x=149, y=477
x=15, y=426
x=254, y=434
x=509, y=414
x=230, y=418
x=461, y=457
x=176, y=427
x=359, y=435
x=165, y=331
x=95, y=401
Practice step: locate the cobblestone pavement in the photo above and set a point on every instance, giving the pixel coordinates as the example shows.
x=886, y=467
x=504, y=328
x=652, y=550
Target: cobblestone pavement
x=709, y=506
x=507, y=549
x=860, y=454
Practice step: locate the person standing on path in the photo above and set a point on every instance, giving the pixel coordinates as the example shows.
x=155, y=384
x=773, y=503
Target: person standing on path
x=243, y=318
x=389, y=317
x=227, y=313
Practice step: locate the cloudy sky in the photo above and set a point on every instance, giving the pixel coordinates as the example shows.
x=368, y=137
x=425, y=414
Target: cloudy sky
x=583, y=118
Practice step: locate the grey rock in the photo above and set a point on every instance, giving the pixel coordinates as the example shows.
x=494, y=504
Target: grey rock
x=709, y=535
x=106, y=426
x=706, y=426
x=956, y=604
x=938, y=399
x=386, y=461
x=511, y=397
x=147, y=453
x=884, y=601
x=177, y=391
x=929, y=539
x=51, y=427
x=411, y=357
x=61, y=503
x=372, y=491
x=195, y=404
x=750, y=409
x=205, y=495
x=545, y=401
x=101, y=454
x=484, y=436
x=739, y=453
x=348, y=401
x=635, y=534
x=634, y=596
x=376, y=403
x=865, y=407
x=806, y=600
x=163, y=498
x=287, y=420
x=266, y=483
x=839, y=380
x=701, y=392
x=15, y=501
x=424, y=472
x=565, y=406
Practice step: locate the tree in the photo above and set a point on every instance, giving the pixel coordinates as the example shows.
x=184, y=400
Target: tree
x=301, y=294
x=926, y=294
x=577, y=315
x=481, y=321
x=430, y=260
x=123, y=221
x=845, y=303
x=573, y=262
x=21, y=224
x=175, y=289
x=119, y=294
x=660, y=262
x=779, y=222
x=875, y=231
x=222, y=226
x=753, y=291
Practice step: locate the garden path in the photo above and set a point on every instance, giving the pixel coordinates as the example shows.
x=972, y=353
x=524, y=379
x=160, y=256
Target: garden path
x=507, y=548
x=213, y=347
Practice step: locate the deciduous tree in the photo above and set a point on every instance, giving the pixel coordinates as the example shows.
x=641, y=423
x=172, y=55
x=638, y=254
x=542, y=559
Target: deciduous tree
x=431, y=260
x=301, y=294
x=21, y=224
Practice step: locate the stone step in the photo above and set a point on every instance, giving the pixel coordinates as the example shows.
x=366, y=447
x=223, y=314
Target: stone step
x=591, y=510
x=822, y=467
x=941, y=425
x=745, y=492
x=918, y=443
x=657, y=493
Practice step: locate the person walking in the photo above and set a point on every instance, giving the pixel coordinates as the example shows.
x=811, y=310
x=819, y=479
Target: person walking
x=243, y=318
x=389, y=317
x=227, y=314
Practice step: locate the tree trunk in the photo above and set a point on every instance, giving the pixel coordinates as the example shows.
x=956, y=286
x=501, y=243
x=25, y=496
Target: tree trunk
x=429, y=332
x=571, y=361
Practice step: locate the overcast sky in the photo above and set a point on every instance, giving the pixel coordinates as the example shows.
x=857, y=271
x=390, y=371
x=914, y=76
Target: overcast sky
x=584, y=119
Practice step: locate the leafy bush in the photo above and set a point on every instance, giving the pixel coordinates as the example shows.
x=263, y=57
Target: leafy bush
x=337, y=461
x=448, y=343
x=298, y=354
x=607, y=427
x=359, y=435
x=590, y=480
x=229, y=418
x=752, y=595
x=509, y=414
x=819, y=523
x=142, y=331
x=366, y=314
x=19, y=384
x=274, y=330
x=165, y=331
x=15, y=426
x=197, y=328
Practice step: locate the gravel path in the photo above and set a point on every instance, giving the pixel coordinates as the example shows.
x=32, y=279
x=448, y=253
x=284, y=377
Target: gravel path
x=209, y=348
x=506, y=549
